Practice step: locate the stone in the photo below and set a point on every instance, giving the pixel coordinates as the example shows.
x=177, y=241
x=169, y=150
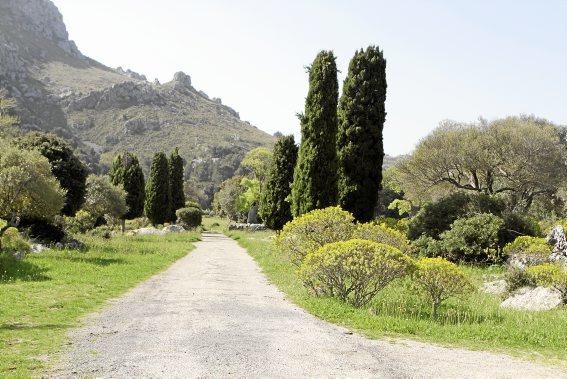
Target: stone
x=557, y=239
x=149, y=232
x=19, y=255
x=496, y=287
x=174, y=229
x=533, y=299
x=247, y=227
x=182, y=79
x=38, y=248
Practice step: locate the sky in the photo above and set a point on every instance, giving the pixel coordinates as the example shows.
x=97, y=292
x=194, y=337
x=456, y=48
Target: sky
x=457, y=59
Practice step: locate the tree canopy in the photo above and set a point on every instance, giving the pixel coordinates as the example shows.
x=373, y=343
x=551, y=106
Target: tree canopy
x=315, y=177
x=126, y=172
x=519, y=158
x=105, y=199
x=158, y=193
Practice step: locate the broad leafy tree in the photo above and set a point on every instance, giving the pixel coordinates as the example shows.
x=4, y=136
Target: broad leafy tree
x=518, y=158
x=158, y=194
x=65, y=166
x=359, y=141
x=105, y=199
x=29, y=189
x=315, y=177
x=275, y=208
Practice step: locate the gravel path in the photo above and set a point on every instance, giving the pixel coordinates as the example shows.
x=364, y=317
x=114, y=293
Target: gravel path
x=213, y=314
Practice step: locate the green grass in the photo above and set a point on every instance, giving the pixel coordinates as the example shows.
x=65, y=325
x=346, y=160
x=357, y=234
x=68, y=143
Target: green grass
x=475, y=322
x=44, y=295
x=215, y=224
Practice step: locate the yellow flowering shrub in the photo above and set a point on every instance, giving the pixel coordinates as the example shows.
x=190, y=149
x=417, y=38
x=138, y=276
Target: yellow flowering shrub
x=382, y=234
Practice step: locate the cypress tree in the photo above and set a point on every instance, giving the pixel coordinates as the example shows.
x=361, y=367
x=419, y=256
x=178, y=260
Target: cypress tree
x=275, y=207
x=360, y=147
x=176, y=183
x=315, y=177
x=158, y=194
x=126, y=171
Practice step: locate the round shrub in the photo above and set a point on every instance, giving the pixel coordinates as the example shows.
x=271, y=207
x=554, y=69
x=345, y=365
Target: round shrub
x=528, y=250
x=516, y=225
x=313, y=230
x=190, y=217
x=382, y=234
x=81, y=223
x=473, y=239
x=354, y=271
x=440, y=280
x=428, y=247
x=549, y=275
x=13, y=242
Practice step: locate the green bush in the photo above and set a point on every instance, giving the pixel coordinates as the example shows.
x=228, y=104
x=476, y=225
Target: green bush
x=382, y=234
x=354, y=271
x=440, y=280
x=517, y=278
x=535, y=248
x=473, y=239
x=190, y=217
x=192, y=204
x=516, y=225
x=427, y=247
x=549, y=275
x=81, y=223
x=313, y=230
x=13, y=242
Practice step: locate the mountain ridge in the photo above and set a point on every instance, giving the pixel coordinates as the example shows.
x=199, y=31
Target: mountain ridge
x=102, y=111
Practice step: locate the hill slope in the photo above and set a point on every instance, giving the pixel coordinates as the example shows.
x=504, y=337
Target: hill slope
x=102, y=111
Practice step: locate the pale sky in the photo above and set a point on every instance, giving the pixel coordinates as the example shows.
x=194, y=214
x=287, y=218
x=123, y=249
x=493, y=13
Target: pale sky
x=446, y=59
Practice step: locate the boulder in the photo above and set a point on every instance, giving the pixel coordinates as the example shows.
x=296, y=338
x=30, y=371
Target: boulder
x=174, y=229
x=533, y=299
x=38, y=248
x=558, y=241
x=497, y=287
x=247, y=227
x=149, y=232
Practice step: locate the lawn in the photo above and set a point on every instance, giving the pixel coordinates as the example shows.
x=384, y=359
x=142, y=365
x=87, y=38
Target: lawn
x=44, y=295
x=475, y=322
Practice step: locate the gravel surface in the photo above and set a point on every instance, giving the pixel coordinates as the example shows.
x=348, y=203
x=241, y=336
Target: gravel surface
x=214, y=314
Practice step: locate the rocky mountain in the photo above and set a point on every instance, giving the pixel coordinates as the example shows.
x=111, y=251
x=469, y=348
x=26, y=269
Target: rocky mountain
x=102, y=111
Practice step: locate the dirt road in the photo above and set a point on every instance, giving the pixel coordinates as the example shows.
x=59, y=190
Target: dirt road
x=213, y=314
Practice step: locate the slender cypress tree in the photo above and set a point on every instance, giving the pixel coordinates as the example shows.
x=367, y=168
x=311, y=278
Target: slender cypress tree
x=158, y=194
x=360, y=147
x=275, y=207
x=126, y=171
x=176, y=183
x=315, y=177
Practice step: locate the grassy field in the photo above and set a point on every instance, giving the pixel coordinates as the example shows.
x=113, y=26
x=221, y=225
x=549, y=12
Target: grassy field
x=44, y=295
x=474, y=322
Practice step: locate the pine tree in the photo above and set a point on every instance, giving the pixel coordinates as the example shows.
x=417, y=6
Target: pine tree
x=275, y=207
x=158, y=194
x=315, y=177
x=176, y=183
x=126, y=171
x=360, y=147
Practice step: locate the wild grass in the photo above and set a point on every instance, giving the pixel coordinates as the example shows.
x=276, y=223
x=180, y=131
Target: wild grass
x=475, y=322
x=44, y=295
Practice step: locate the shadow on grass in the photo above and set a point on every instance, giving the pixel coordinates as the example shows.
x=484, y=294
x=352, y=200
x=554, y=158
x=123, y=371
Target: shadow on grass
x=16, y=326
x=97, y=261
x=14, y=270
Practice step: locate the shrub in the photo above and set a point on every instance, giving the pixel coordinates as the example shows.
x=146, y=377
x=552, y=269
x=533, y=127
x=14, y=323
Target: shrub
x=428, y=247
x=103, y=231
x=354, y=271
x=473, y=239
x=517, y=278
x=531, y=246
x=43, y=230
x=191, y=217
x=441, y=279
x=382, y=234
x=81, y=223
x=313, y=230
x=12, y=242
x=549, y=275
x=516, y=225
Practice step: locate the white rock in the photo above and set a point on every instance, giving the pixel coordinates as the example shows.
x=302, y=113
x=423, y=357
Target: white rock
x=173, y=229
x=149, y=232
x=533, y=299
x=38, y=248
x=497, y=287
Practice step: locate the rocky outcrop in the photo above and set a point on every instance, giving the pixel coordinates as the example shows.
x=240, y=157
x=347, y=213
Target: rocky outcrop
x=558, y=241
x=534, y=299
x=118, y=96
x=131, y=74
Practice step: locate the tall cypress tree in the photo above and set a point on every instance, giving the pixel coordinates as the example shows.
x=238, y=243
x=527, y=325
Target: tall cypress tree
x=275, y=207
x=176, y=183
x=359, y=141
x=315, y=177
x=158, y=194
x=126, y=171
